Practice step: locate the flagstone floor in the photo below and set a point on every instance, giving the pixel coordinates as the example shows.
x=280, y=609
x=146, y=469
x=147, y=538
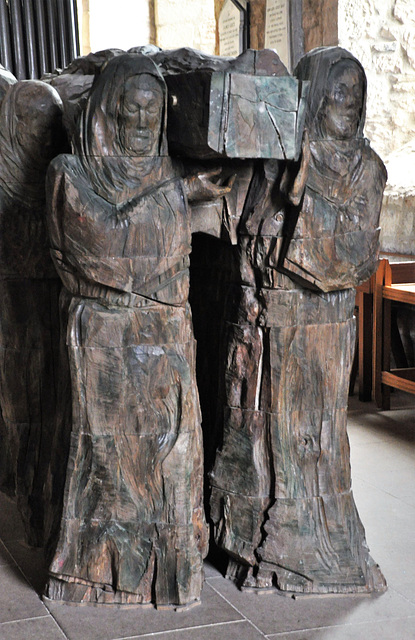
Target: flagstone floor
x=383, y=471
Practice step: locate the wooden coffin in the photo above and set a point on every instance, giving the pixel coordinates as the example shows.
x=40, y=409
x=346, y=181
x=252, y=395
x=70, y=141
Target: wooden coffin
x=235, y=115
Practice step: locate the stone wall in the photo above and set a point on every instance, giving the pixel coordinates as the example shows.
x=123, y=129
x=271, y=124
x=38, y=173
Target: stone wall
x=168, y=23
x=121, y=24
x=84, y=28
x=382, y=36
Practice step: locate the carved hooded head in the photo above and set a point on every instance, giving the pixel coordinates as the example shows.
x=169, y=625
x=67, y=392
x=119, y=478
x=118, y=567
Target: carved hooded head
x=122, y=142
x=337, y=94
x=31, y=135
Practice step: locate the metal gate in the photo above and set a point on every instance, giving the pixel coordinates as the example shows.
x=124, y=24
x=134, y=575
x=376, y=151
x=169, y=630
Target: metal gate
x=37, y=36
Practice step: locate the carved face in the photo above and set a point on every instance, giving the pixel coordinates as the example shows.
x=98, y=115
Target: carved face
x=39, y=130
x=141, y=115
x=344, y=101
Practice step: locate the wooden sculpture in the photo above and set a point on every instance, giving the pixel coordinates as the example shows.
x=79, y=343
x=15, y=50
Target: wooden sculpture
x=281, y=500
x=6, y=80
x=133, y=528
x=30, y=136
x=74, y=84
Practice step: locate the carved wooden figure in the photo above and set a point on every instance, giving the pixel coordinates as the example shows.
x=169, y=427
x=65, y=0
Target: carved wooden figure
x=133, y=528
x=6, y=80
x=237, y=112
x=281, y=500
x=30, y=136
x=74, y=84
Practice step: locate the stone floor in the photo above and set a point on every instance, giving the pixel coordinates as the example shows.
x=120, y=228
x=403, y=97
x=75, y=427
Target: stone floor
x=383, y=469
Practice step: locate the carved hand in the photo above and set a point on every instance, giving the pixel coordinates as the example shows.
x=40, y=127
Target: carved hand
x=199, y=187
x=295, y=192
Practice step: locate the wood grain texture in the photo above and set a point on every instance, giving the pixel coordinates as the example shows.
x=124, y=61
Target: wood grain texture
x=250, y=109
x=31, y=134
x=281, y=499
x=320, y=27
x=133, y=528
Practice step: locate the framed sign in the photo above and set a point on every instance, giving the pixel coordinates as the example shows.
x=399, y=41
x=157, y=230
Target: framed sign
x=233, y=27
x=277, y=29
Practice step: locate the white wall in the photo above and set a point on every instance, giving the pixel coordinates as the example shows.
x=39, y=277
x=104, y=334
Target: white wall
x=125, y=23
x=121, y=24
x=186, y=23
x=381, y=34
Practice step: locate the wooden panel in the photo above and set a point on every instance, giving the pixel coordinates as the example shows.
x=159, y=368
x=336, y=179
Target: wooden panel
x=377, y=330
x=320, y=23
x=399, y=287
x=365, y=340
x=408, y=373
x=404, y=381
x=402, y=272
x=400, y=293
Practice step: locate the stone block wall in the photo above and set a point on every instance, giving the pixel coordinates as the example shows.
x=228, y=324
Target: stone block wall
x=398, y=211
x=382, y=36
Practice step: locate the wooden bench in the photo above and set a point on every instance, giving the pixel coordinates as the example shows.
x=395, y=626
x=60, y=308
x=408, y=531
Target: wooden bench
x=394, y=281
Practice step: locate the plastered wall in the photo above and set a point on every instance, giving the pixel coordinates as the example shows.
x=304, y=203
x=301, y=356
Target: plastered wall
x=189, y=23
x=106, y=24
x=382, y=35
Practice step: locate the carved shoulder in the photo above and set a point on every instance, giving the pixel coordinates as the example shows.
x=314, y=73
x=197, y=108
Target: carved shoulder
x=55, y=179
x=378, y=168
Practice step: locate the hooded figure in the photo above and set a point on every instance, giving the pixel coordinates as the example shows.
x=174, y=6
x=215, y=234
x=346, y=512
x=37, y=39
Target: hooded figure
x=335, y=243
x=133, y=527
x=31, y=135
x=116, y=171
x=285, y=513
x=6, y=80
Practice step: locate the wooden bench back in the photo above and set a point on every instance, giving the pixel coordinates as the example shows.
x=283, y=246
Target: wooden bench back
x=400, y=272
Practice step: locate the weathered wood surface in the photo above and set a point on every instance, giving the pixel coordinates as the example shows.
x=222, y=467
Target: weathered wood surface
x=6, y=79
x=239, y=112
x=133, y=527
x=336, y=238
x=281, y=500
x=30, y=135
x=74, y=84
x=265, y=114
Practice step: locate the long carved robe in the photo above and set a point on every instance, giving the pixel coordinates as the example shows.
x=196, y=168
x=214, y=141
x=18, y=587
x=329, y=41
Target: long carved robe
x=133, y=527
x=29, y=290
x=29, y=341
x=281, y=501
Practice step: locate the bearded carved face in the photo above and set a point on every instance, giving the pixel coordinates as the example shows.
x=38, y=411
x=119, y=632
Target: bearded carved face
x=140, y=116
